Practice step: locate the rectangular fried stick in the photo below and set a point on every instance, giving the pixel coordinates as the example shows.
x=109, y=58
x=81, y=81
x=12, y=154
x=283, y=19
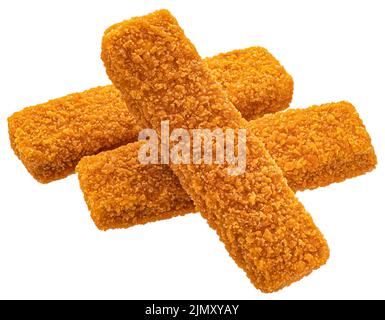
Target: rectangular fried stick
x=314, y=147
x=52, y=137
x=264, y=227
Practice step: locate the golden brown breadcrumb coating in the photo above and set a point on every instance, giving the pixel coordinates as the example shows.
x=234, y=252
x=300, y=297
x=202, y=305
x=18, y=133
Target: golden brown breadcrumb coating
x=317, y=146
x=264, y=227
x=267, y=89
x=120, y=192
x=52, y=137
x=314, y=147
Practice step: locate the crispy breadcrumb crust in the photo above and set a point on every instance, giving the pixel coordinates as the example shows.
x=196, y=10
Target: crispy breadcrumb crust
x=265, y=228
x=319, y=145
x=120, y=192
x=267, y=88
x=314, y=147
x=51, y=138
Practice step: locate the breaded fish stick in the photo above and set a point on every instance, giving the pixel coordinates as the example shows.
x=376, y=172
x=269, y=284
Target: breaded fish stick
x=51, y=138
x=314, y=147
x=264, y=227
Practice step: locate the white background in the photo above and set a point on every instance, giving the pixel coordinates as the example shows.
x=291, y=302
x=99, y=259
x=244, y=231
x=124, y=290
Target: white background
x=49, y=247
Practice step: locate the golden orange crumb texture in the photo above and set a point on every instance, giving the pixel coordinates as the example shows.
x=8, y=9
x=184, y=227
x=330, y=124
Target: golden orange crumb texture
x=314, y=147
x=158, y=75
x=51, y=138
x=265, y=229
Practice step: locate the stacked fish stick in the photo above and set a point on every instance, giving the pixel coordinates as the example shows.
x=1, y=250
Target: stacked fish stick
x=157, y=75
